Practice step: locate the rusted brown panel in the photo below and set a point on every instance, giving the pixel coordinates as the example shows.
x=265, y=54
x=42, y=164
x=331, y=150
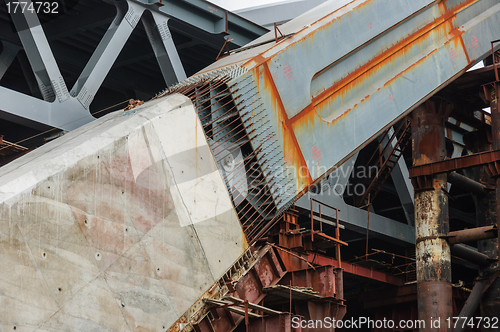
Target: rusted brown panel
x=278, y=323
x=315, y=314
x=204, y=326
x=223, y=320
x=339, y=283
x=290, y=241
x=249, y=288
x=428, y=140
x=267, y=270
x=490, y=158
x=356, y=270
x=293, y=263
x=321, y=280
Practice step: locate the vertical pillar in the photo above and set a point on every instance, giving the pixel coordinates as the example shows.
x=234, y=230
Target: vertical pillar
x=431, y=219
x=490, y=212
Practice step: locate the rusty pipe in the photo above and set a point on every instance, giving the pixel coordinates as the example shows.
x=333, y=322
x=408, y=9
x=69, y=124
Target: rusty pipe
x=470, y=255
x=472, y=234
x=466, y=183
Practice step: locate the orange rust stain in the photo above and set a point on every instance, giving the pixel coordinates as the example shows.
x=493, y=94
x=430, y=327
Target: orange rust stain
x=289, y=140
x=341, y=116
x=260, y=59
x=444, y=23
x=254, y=62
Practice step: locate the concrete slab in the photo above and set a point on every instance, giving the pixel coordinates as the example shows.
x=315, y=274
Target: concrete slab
x=119, y=225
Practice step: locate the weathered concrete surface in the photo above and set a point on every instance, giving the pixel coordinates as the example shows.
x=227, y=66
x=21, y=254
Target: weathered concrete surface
x=120, y=225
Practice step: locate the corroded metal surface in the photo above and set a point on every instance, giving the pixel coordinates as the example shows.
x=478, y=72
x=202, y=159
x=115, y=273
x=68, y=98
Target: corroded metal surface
x=435, y=300
x=488, y=158
x=491, y=301
x=431, y=216
x=473, y=234
x=198, y=317
x=344, y=73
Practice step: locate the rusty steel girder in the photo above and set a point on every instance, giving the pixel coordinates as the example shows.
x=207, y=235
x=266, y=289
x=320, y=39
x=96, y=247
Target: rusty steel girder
x=491, y=159
x=342, y=74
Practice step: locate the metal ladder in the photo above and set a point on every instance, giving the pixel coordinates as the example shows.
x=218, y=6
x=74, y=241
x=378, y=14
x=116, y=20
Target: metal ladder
x=402, y=135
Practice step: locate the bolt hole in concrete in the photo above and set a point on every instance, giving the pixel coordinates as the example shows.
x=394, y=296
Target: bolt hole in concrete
x=86, y=222
x=59, y=289
x=126, y=229
x=98, y=256
x=14, y=328
x=123, y=305
x=158, y=269
x=44, y=254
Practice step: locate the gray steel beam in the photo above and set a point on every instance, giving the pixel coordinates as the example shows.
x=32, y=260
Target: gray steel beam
x=208, y=17
x=70, y=111
x=29, y=76
x=36, y=113
x=401, y=178
x=159, y=35
x=106, y=52
x=281, y=12
x=40, y=55
x=354, y=218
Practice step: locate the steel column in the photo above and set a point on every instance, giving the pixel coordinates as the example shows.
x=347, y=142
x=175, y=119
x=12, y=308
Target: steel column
x=40, y=55
x=490, y=304
x=431, y=217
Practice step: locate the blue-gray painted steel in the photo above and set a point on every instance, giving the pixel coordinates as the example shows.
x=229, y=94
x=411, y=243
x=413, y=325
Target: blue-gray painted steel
x=322, y=55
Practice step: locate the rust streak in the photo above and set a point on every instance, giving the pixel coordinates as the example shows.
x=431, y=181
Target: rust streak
x=359, y=75
x=289, y=139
